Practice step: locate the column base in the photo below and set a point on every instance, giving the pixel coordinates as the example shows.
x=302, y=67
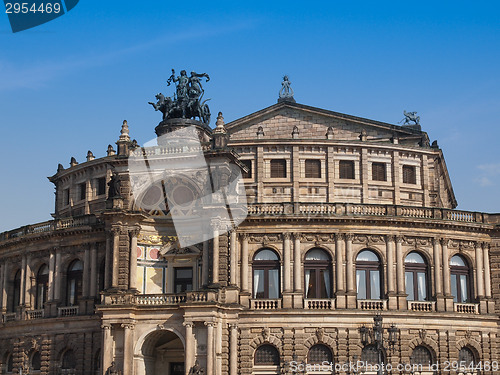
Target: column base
x=402, y=302
x=449, y=303
x=491, y=305
x=245, y=299
x=232, y=292
x=51, y=308
x=440, y=303
x=392, y=301
x=483, y=306
x=298, y=299
x=340, y=300
x=351, y=298
x=287, y=300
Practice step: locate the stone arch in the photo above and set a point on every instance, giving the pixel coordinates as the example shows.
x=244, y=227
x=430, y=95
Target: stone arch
x=468, y=259
x=326, y=340
x=380, y=254
x=158, y=331
x=423, y=253
x=427, y=342
x=326, y=249
x=259, y=340
x=65, y=345
x=471, y=344
x=251, y=254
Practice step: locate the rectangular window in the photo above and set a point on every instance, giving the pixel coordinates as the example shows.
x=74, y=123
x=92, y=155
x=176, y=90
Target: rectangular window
x=346, y=169
x=409, y=174
x=409, y=286
x=278, y=168
x=379, y=172
x=313, y=168
x=248, y=165
x=66, y=197
x=101, y=186
x=83, y=190
x=183, y=279
x=361, y=284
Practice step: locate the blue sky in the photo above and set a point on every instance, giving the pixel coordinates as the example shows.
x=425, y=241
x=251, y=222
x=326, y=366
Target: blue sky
x=66, y=86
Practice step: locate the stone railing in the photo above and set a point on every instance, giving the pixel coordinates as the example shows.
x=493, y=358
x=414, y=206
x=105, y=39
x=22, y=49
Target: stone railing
x=35, y=314
x=467, y=308
x=319, y=304
x=49, y=226
x=372, y=304
x=8, y=317
x=422, y=306
x=265, y=304
x=160, y=299
x=351, y=209
x=66, y=311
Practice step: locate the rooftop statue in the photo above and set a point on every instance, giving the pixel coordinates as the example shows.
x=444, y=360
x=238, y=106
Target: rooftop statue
x=187, y=100
x=410, y=116
x=286, y=92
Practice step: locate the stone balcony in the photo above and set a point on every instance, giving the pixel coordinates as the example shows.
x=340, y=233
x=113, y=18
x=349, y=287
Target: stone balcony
x=166, y=299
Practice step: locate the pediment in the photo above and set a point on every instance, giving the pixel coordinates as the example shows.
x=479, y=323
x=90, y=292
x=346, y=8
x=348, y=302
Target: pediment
x=282, y=120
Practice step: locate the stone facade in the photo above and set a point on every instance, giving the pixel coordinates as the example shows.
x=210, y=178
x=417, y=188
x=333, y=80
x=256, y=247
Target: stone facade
x=107, y=281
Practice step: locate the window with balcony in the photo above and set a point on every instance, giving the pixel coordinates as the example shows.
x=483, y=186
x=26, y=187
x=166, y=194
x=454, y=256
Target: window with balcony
x=15, y=297
x=278, y=168
x=248, y=165
x=42, y=287
x=267, y=355
x=319, y=353
x=266, y=274
x=317, y=274
x=74, y=283
x=460, y=279
x=409, y=174
x=183, y=279
x=313, y=168
x=416, y=277
x=379, y=172
x=346, y=169
x=368, y=275
x=421, y=356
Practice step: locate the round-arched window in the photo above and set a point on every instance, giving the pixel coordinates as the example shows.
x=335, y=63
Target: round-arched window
x=42, y=286
x=266, y=274
x=267, y=355
x=36, y=361
x=460, y=279
x=319, y=353
x=74, y=282
x=421, y=356
x=368, y=275
x=416, y=277
x=317, y=274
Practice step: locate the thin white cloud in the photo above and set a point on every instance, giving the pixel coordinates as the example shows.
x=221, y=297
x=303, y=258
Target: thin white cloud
x=489, y=174
x=37, y=75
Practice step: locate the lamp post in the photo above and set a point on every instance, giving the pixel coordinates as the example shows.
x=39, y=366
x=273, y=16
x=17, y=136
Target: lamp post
x=377, y=333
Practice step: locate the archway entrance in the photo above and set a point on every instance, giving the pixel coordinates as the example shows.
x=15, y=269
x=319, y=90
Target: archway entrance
x=163, y=354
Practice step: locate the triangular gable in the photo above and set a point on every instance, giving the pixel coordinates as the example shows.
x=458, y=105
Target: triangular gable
x=281, y=120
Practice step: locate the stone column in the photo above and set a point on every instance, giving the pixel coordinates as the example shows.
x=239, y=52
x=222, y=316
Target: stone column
x=57, y=276
x=215, y=257
x=297, y=262
x=210, y=347
x=107, y=347
x=93, y=270
x=3, y=287
x=51, y=281
x=132, y=282
x=446, y=276
x=27, y=284
x=479, y=271
x=487, y=276
x=437, y=267
x=234, y=258
x=339, y=270
x=400, y=274
x=107, y=262
x=286, y=262
x=128, y=349
x=391, y=279
x=205, y=261
x=190, y=352
x=350, y=272
x=86, y=274
x=244, y=262
x=116, y=256
x=233, y=350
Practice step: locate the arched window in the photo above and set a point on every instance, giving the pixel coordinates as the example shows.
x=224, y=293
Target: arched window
x=42, y=286
x=74, y=283
x=369, y=354
x=68, y=360
x=266, y=274
x=416, y=277
x=421, y=356
x=36, y=361
x=465, y=355
x=267, y=355
x=317, y=274
x=460, y=279
x=9, y=363
x=368, y=275
x=319, y=353
x=15, y=299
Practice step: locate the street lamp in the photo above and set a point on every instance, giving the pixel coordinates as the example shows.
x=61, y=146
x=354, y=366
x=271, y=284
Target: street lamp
x=378, y=339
